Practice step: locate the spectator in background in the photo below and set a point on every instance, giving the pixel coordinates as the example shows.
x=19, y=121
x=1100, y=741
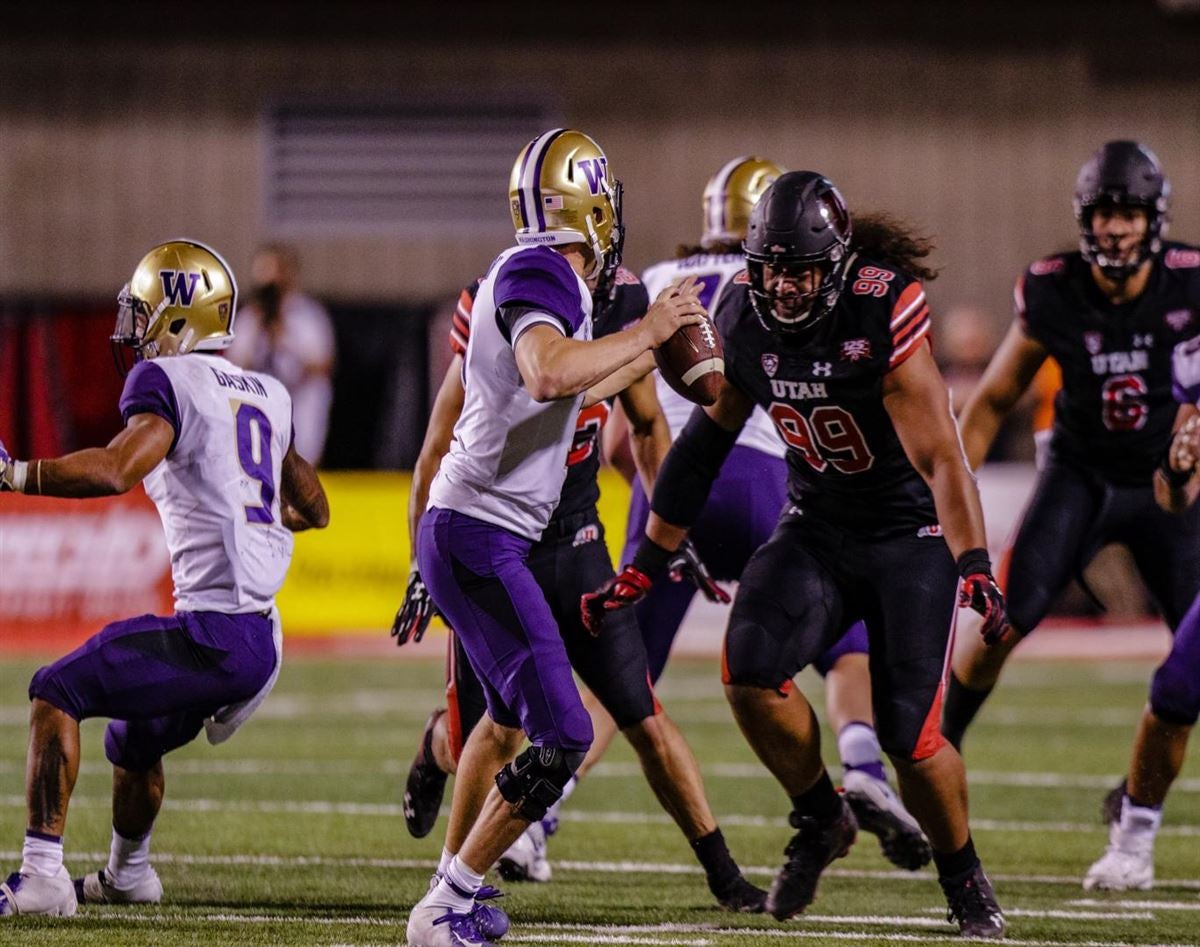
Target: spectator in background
x=288, y=334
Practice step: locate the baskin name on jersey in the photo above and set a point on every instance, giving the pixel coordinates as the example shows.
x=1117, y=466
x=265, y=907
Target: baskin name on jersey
x=246, y=383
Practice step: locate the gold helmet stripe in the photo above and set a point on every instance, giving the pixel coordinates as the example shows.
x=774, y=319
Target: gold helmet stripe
x=530, y=195
x=719, y=204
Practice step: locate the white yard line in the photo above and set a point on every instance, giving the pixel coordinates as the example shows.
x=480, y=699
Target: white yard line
x=1137, y=905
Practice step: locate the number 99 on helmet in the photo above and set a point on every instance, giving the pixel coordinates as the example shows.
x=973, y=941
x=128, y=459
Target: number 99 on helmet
x=561, y=191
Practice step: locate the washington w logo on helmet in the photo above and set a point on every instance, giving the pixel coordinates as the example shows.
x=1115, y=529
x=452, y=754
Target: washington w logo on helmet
x=594, y=170
x=179, y=287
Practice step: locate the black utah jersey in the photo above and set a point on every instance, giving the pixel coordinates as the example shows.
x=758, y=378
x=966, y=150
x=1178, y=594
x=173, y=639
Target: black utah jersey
x=824, y=391
x=580, y=491
x=1114, y=412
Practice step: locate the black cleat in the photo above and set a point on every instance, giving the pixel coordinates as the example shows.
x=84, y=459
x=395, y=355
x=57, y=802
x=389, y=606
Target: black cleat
x=739, y=896
x=1110, y=806
x=879, y=811
x=426, y=784
x=972, y=903
x=809, y=851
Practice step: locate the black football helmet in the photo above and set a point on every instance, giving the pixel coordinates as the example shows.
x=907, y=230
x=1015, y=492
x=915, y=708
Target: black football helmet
x=800, y=220
x=1128, y=174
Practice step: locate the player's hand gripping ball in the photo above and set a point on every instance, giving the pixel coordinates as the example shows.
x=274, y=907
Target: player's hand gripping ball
x=692, y=360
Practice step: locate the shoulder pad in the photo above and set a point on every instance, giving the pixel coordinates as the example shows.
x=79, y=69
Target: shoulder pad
x=539, y=278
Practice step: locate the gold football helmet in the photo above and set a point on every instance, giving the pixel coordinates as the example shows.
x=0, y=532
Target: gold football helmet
x=562, y=191
x=182, y=298
x=731, y=194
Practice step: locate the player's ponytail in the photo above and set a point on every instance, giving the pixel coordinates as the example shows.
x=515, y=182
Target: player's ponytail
x=888, y=239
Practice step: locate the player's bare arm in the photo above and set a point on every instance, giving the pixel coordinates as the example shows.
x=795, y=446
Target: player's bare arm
x=304, y=505
x=447, y=406
x=102, y=471
x=649, y=435
x=1175, y=483
x=918, y=403
x=1008, y=375
x=554, y=366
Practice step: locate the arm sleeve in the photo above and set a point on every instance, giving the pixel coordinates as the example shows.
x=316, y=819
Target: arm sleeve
x=148, y=390
x=460, y=323
x=690, y=468
x=514, y=320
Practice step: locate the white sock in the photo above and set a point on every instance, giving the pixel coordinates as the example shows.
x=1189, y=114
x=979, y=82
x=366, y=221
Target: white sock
x=858, y=745
x=444, y=862
x=457, y=888
x=1139, y=820
x=42, y=855
x=552, y=812
x=128, y=860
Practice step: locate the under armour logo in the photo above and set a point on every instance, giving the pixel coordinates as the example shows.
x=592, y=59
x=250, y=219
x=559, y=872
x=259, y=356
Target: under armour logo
x=1143, y=341
x=822, y=369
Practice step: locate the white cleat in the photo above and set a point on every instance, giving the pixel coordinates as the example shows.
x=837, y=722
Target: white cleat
x=37, y=894
x=431, y=925
x=96, y=888
x=1126, y=865
x=879, y=811
x=525, y=859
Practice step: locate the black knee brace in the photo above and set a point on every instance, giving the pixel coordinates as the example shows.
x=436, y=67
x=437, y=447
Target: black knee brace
x=534, y=781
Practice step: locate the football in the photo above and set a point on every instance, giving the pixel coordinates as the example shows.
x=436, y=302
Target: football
x=693, y=362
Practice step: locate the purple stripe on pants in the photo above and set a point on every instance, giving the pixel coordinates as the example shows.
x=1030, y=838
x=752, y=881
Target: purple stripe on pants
x=477, y=575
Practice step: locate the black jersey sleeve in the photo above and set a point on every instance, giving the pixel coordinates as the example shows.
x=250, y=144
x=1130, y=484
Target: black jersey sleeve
x=460, y=322
x=1034, y=297
x=628, y=304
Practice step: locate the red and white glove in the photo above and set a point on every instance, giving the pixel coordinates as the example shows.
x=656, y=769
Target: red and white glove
x=626, y=588
x=980, y=592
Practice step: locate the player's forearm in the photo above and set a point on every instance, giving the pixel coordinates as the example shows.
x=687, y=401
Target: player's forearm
x=956, y=498
x=649, y=444
x=418, y=495
x=93, y=472
x=1175, y=497
x=568, y=367
x=978, y=426
x=619, y=380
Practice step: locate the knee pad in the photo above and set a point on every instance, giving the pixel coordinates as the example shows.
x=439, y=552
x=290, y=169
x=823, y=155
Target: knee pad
x=1175, y=694
x=534, y=781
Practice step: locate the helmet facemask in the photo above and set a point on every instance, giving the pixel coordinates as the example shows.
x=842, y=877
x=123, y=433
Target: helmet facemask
x=1120, y=266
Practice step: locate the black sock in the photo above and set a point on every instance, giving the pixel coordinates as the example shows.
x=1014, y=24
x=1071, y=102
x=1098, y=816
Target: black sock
x=714, y=856
x=821, y=801
x=961, y=706
x=956, y=863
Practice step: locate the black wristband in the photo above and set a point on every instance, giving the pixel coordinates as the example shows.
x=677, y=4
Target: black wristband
x=1174, y=478
x=973, y=561
x=651, y=559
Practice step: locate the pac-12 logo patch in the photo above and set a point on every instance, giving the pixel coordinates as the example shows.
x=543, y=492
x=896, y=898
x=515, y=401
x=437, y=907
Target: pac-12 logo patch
x=179, y=286
x=1093, y=342
x=770, y=363
x=1179, y=319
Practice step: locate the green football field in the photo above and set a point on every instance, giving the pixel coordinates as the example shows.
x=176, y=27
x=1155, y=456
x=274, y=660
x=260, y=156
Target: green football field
x=292, y=832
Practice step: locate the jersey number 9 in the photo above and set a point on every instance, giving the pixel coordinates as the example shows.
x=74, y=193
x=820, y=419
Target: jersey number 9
x=254, y=454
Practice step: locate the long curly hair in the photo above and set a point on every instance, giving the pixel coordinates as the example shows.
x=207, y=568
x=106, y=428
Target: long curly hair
x=889, y=239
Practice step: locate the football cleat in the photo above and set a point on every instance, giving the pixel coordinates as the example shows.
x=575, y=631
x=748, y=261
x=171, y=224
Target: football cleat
x=525, y=859
x=432, y=925
x=879, y=811
x=971, y=902
x=740, y=897
x=491, y=921
x=1126, y=865
x=813, y=847
x=1110, y=805
x=37, y=894
x=97, y=888
x=426, y=784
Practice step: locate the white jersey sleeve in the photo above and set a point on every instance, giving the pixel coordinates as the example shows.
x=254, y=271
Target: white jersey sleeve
x=508, y=456
x=714, y=272
x=217, y=491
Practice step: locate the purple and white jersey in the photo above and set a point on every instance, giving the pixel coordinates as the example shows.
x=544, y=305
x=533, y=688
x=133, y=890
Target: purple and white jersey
x=217, y=491
x=508, y=456
x=1185, y=372
x=714, y=271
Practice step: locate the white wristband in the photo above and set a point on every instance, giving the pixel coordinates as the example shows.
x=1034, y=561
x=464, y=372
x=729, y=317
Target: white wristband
x=20, y=470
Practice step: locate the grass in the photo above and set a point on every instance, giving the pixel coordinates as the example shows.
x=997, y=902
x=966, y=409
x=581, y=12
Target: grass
x=291, y=833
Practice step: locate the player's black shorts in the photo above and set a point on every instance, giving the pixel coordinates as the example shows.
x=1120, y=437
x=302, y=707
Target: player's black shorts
x=809, y=581
x=1071, y=516
x=572, y=559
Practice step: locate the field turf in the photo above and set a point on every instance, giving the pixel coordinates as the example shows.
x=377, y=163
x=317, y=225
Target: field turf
x=292, y=832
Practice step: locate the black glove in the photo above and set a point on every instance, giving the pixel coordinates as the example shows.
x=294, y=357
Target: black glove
x=415, y=611
x=980, y=592
x=621, y=591
x=687, y=564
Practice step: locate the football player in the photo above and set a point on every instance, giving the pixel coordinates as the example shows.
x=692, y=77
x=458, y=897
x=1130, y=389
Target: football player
x=739, y=517
x=570, y=559
x=529, y=367
x=827, y=332
x=1167, y=720
x=213, y=445
x=1110, y=314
